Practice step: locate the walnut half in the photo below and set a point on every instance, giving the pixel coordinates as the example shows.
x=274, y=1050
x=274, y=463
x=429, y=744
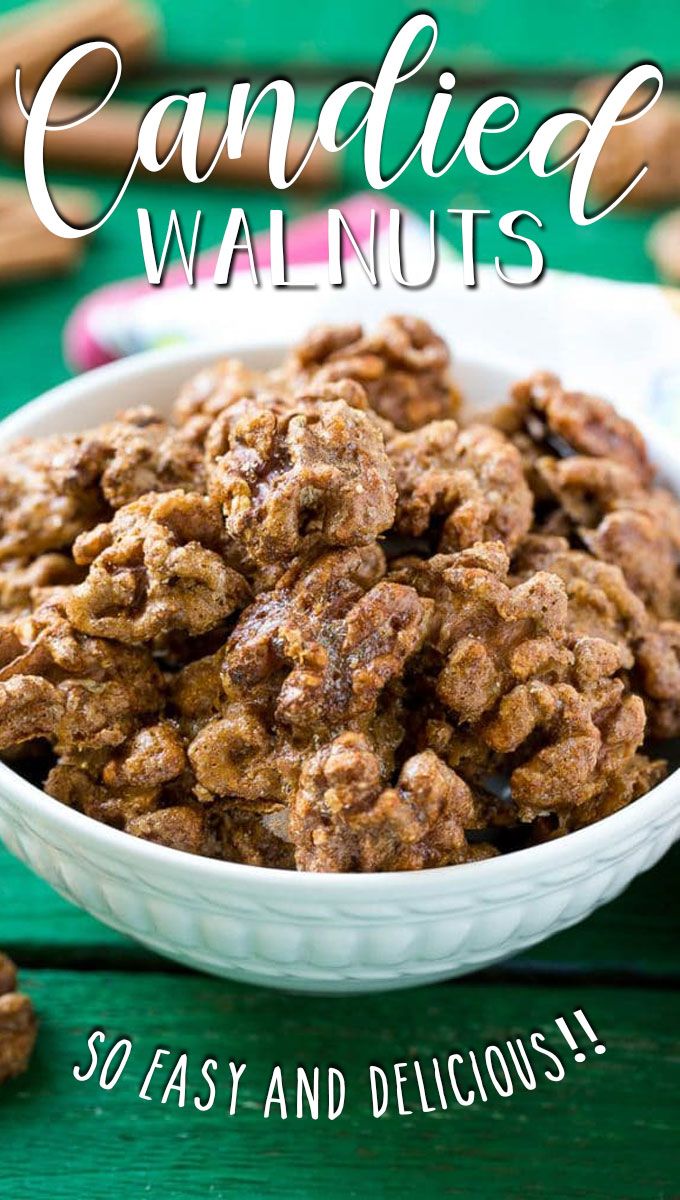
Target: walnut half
x=18, y=1024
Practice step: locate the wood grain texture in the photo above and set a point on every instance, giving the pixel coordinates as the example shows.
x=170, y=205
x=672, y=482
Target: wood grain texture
x=606, y=1131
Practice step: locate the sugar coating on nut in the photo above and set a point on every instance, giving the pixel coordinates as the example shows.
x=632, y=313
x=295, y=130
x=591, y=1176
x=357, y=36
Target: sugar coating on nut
x=73, y=690
x=215, y=389
x=403, y=365
x=469, y=485
x=345, y=818
x=315, y=655
x=576, y=421
x=327, y=639
x=54, y=488
x=157, y=566
x=486, y=633
x=294, y=482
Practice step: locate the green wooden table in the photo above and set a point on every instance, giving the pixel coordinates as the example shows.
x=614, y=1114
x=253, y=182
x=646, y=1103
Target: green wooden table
x=609, y=1130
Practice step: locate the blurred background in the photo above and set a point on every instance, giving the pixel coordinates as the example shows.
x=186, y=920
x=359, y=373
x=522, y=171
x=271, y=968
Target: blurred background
x=537, y=52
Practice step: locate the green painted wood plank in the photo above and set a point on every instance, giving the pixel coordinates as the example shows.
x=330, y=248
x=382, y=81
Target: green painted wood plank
x=606, y=1130
x=637, y=933
x=35, y=922
x=478, y=34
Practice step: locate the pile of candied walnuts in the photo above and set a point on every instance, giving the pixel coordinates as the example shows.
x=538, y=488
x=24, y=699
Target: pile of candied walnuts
x=18, y=1023
x=322, y=621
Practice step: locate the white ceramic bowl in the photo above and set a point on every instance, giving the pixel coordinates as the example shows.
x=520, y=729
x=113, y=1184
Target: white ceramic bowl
x=319, y=933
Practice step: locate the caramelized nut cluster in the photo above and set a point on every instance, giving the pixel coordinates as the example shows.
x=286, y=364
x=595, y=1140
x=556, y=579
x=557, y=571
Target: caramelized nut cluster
x=18, y=1024
x=321, y=621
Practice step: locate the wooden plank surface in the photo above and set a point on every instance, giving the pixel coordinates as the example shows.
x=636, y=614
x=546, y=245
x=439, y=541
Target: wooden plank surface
x=605, y=1131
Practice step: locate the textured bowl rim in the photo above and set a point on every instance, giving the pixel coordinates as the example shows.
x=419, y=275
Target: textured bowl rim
x=161, y=860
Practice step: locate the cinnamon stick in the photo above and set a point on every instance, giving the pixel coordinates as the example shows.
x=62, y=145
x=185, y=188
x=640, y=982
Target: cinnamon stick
x=653, y=140
x=107, y=142
x=34, y=38
x=75, y=204
x=27, y=248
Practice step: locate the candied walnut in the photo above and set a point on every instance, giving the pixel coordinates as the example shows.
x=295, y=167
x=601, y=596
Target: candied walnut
x=156, y=567
x=603, y=606
x=74, y=690
x=179, y=828
x=238, y=754
x=469, y=483
x=146, y=789
x=152, y=756
x=219, y=432
x=216, y=388
x=621, y=522
x=52, y=489
x=326, y=344
x=589, y=736
x=29, y=708
x=641, y=548
x=243, y=752
x=334, y=631
x=256, y=836
x=344, y=817
x=24, y=581
x=653, y=140
x=77, y=784
x=145, y=454
x=196, y=692
x=587, y=488
x=49, y=493
x=511, y=668
x=658, y=666
x=600, y=602
x=403, y=365
x=284, y=404
x=638, y=776
x=294, y=482
x=18, y=1024
x=149, y=773
x=18, y=1033
x=487, y=634
x=317, y=654
x=573, y=421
